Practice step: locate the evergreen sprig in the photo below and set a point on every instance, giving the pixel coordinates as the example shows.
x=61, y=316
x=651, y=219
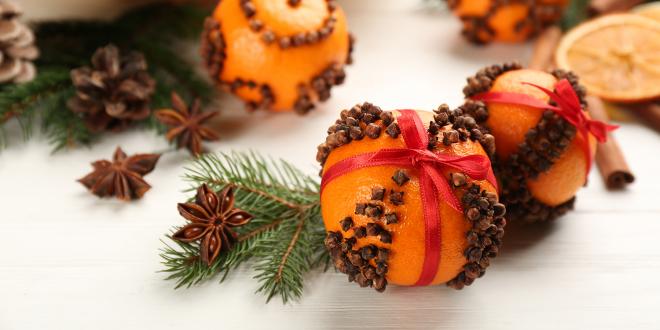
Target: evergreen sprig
x=158, y=31
x=155, y=30
x=285, y=237
x=576, y=12
x=44, y=97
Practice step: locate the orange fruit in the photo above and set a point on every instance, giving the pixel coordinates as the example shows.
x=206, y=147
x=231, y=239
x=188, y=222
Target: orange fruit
x=616, y=57
x=278, y=55
x=528, y=137
x=459, y=262
x=650, y=10
x=510, y=21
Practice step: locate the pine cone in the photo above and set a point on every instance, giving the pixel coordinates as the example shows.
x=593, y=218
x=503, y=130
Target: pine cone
x=114, y=92
x=17, y=48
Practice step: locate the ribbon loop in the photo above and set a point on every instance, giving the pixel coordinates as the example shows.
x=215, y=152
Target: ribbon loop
x=416, y=160
x=568, y=107
x=433, y=182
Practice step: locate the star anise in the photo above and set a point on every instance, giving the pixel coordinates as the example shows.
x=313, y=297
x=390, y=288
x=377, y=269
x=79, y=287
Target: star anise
x=186, y=124
x=121, y=177
x=211, y=217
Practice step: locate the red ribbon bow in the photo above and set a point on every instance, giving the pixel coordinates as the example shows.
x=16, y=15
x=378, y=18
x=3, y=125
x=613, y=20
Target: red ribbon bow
x=433, y=183
x=568, y=107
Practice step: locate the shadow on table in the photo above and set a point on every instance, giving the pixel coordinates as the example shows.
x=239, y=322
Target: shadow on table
x=396, y=308
x=521, y=237
x=235, y=121
x=417, y=307
x=465, y=51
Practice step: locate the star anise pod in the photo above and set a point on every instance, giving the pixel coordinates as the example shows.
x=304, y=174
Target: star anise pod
x=186, y=124
x=211, y=217
x=121, y=177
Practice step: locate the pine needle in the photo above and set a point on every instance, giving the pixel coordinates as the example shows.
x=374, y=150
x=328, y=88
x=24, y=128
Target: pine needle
x=285, y=238
x=44, y=97
x=575, y=13
x=154, y=30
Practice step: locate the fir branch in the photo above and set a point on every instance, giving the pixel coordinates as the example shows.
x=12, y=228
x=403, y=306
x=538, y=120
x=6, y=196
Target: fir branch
x=71, y=43
x=19, y=98
x=285, y=238
x=63, y=128
x=282, y=262
x=176, y=73
x=286, y=257
x=575, y=12
x=250, y=172
x=44, y=97
x=153, y=30
x=165, y=21
x=259, y=230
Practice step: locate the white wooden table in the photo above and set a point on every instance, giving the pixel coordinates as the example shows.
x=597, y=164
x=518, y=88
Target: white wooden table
x=71, y=261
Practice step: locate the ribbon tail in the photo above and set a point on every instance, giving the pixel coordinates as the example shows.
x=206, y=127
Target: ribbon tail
x=442, y=187
x=587, y=149
x=431, y=230
x=566, y=92
x=569, y=103
x=599, y=129
x=412, y=129
x=490, y=177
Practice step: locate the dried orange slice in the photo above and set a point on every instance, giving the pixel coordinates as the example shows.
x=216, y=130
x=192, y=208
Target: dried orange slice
x=650, y=10
x=616, y=56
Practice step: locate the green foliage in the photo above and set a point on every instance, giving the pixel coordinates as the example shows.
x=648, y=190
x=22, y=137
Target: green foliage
x=73, y=42
x=63, y=128
x=15, y=100
x=44, y=97
x=576, y=12
x=285, y=238
x=154, y=30
x=158, y=31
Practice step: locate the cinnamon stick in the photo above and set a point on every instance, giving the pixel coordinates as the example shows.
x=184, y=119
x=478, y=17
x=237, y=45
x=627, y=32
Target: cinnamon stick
x=609, y=157
x=602, y=7
x=544, y=48
x=649, y=113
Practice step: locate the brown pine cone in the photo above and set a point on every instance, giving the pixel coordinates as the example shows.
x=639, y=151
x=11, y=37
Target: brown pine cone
x=114, y=92
x=17, y=49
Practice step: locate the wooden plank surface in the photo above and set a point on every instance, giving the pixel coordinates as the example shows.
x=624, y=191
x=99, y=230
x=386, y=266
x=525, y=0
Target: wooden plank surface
x=70, y=261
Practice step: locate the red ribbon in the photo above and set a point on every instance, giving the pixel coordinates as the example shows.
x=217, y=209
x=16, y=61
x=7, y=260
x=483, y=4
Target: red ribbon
x=568, y=107
x=433, y=183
